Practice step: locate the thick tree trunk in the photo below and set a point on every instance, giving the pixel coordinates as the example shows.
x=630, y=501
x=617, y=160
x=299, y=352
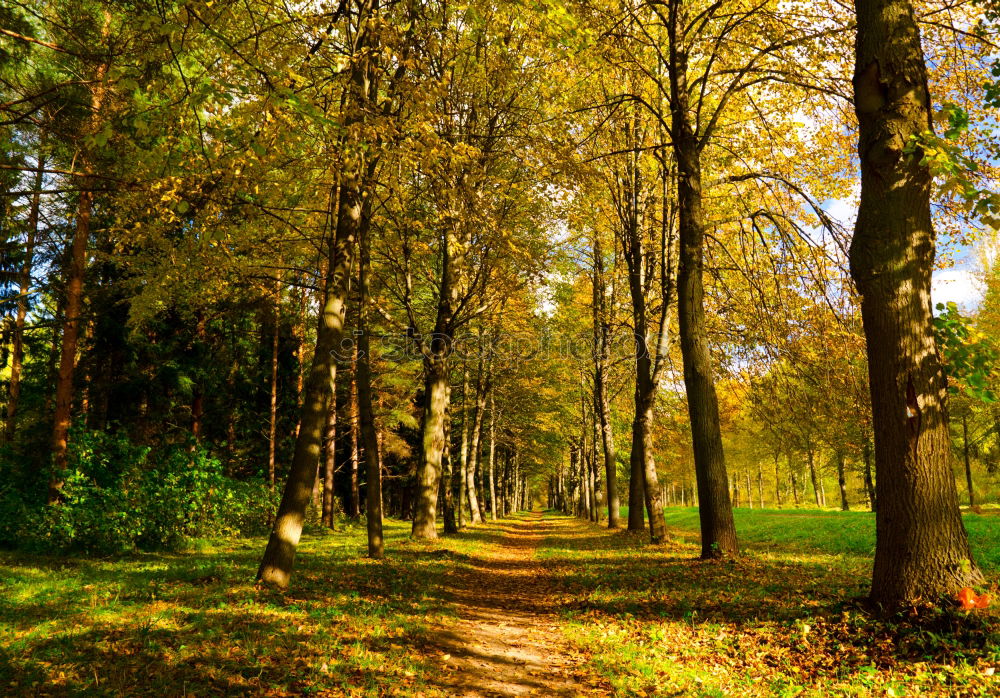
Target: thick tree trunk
x=24, y=288
x=432, y=448
x=921, y=547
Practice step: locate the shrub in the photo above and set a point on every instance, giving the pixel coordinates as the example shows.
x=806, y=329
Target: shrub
x=119, y=497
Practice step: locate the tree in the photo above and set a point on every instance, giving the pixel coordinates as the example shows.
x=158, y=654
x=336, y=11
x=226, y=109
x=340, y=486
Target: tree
x=921, y=549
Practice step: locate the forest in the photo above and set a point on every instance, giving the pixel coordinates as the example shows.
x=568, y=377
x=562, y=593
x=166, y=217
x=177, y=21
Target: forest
x=520, y=347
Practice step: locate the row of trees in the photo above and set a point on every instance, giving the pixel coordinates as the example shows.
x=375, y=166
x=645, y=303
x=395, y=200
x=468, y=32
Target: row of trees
x=343, y=248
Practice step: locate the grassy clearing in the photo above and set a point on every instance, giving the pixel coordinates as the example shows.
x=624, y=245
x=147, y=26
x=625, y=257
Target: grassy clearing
x=194, y=623
x=782, y=620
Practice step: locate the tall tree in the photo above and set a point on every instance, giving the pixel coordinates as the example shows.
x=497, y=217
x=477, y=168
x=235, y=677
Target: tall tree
x=921, y=548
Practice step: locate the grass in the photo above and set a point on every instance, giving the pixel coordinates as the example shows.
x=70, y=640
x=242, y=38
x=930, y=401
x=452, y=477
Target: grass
x=195, y=624
x=783, y=619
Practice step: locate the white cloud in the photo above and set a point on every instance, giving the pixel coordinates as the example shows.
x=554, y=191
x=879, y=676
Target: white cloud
x=959, y=286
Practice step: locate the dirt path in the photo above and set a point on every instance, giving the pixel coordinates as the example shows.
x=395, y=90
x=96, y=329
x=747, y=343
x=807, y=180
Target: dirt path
x=506, y=640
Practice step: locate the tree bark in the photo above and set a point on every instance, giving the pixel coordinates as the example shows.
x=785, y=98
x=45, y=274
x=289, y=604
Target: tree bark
x=493, y=444
x=24, y=288
x=602, y=331
x=718, y=531
x=354, y=495
x=921, y=547
x=472, y=464
x=365, y=411
x=968, y=466
x=869, y=482
x=810, y=459
x=842, y=482
x=272, y=436
x=329, y=459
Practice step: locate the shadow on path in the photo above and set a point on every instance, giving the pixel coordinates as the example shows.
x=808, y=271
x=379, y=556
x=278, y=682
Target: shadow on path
x=506, y=638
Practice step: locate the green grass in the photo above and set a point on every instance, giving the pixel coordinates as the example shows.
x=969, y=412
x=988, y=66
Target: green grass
x=783, y=619
x=850, y=533
x=780, y=620
x=195, y=623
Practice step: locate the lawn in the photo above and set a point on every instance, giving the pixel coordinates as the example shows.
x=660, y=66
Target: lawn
x=193, y=623
x=784, y=619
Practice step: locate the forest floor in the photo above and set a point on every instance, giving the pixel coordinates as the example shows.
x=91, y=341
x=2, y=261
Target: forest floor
x=536, y=604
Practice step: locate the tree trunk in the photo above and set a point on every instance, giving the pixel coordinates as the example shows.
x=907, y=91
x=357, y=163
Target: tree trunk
x=493, y=443
x=24, y=288
x=760, y=484
x=272, y=436
x=279, y=556
x=435, y=413
x=602, y=332
x=365, y=411
x=842, y=481
x=777, y=481
x=354, y=495
x=869, y=483
x=812, y=476
x=473, y=456
x=329, y=459
x=447, y=484
x=70, y=334
x=965, y=452
x=463, y=455
x=718, y=532
x=921, y=547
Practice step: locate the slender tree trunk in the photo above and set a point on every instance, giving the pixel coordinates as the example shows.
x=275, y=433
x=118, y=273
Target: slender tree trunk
x=842, y=482
x=965, y=452
x=24, y=289
x=329, y=459
x=869, y=483
x=473, y=463
x=777, y=482
x=73, y=307
x=602, y=332
x=921, y=547
x=355, y=426
x=810, y=459
x=760, y=484
x=365, y=411
x=493, y=443
x=463, y=455
x=272, y=437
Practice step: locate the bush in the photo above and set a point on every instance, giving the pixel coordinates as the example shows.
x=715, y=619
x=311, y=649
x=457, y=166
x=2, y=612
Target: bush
x=119, y=497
